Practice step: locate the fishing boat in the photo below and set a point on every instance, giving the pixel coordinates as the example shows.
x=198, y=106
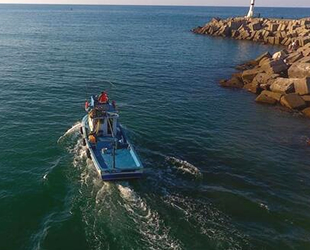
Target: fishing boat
x=107, y=144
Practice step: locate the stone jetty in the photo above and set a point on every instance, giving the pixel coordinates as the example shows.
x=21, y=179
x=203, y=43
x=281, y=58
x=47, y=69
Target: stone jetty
x=280, y=78
x=271, y=31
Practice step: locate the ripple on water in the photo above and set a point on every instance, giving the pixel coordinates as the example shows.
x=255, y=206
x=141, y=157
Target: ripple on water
x=150, y=226
x=209, y=222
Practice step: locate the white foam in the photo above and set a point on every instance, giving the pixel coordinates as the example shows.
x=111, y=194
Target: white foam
x=127, y=193
x=262, y=205
x=71, y=130
x=150, y=226
x=121, y=209
x=184, y=166
x=103, y=192
x=79, y=152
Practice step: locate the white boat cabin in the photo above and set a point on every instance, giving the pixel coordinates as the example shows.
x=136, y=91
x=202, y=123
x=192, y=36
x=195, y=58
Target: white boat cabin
x=103, y=119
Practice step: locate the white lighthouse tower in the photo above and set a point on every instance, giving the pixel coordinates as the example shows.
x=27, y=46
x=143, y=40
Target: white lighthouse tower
x=251, y=10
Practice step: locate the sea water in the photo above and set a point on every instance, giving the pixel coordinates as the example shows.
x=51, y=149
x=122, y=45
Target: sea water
x=223, y=172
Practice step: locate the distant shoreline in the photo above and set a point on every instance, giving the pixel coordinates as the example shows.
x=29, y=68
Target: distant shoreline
x=159, y=5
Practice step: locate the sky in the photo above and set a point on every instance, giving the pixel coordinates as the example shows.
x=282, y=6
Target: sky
x=272, y=3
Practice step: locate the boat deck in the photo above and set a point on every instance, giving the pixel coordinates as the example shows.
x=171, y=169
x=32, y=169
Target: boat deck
x=125, y=158
x=127, y=164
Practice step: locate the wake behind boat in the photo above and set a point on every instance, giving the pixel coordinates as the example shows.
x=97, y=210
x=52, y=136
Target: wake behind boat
x=106, y=142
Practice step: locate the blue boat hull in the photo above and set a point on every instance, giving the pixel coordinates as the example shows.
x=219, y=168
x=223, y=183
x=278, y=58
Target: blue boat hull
x=128, y=165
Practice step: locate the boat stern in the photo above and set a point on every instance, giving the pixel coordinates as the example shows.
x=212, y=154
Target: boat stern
x=121, y=175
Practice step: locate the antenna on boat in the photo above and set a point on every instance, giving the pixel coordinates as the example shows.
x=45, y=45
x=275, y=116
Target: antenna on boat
x=251, y=10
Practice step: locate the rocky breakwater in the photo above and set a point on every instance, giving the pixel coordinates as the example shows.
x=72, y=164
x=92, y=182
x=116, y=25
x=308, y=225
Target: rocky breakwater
x=271, y=31
x=282, y=78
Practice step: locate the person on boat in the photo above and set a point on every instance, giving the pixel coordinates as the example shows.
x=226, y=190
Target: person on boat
x=93, y=113
x=92, y=138
x=86, y=106
x=103, y=98
x=114, y=104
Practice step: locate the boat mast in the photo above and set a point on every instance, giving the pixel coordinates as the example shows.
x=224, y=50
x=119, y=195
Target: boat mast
x=251, y=10
x=114, y=151
x=114, y=143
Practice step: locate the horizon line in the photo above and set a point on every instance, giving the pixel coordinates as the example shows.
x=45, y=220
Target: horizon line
x=151, y=5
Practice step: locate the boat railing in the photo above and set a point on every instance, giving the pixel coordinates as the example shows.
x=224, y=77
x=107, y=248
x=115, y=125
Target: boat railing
x=106, y=116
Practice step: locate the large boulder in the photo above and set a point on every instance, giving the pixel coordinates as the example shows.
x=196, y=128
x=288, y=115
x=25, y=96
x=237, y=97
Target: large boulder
x=299, y=70
x=273, y=95
x=306, y=50
x=283, y=85
x=213, y=29
x=234, y=82
x=224, y=31
x=293, y=101
x=278, y=40
x=306, y=112
x=271, y=40
x=305, y=21
x=247, y=65
x=273, y=27
x=304, y=40
x=244, y=34
x=262, y=98
x=275, y=67
x=269, y=97
x=294, y=57
x=282, y=27
x=305, y=59
x=234, y=25
x=306, y=98
x=302, y=86
x=264, y=80
x=197, y=30
x=248, y=75
x=282, y=54
x=258, y=36
x=264, y=61
x=286, y=41
x=263, y=56
x=215, y=20
x=255, y=26
x=251, y=87
x=235, y=33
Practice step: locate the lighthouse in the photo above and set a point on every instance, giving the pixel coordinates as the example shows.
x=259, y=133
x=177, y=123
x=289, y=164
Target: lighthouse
x=251, y=10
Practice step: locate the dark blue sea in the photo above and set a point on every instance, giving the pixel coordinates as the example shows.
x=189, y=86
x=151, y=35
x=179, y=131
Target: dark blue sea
x=222, y=171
